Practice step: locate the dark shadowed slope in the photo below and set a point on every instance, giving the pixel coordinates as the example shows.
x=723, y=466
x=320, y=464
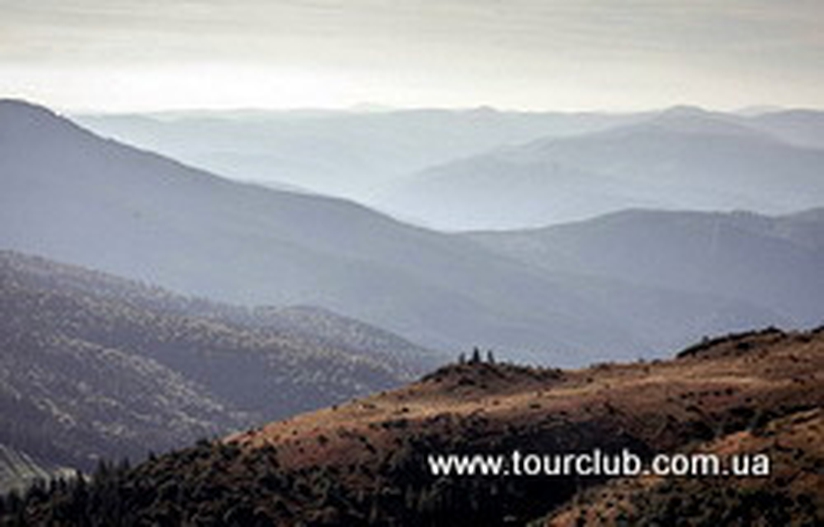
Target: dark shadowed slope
x=773, y=262
x=72, y=196
x=365, y=463
x=683, y=158
x=93, y=365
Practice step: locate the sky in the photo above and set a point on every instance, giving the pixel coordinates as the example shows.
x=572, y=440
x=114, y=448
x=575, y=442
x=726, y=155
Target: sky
x=620, y=55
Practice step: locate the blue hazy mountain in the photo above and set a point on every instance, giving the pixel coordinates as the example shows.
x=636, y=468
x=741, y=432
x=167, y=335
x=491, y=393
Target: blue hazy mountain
x=776, y=262
x=70, y=195
x=681, y=159
x=347, y=153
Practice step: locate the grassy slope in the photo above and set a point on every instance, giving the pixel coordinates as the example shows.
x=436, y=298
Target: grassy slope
x=363, y=463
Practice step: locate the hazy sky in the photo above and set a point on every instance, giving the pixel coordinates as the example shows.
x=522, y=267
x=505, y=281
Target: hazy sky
x=549, y=54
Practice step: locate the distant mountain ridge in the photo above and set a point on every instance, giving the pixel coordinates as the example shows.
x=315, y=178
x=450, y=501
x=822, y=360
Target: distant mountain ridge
x=369, y=156
x=776, y=262
x=800, y=127
x=347, y=153
x=680, y=159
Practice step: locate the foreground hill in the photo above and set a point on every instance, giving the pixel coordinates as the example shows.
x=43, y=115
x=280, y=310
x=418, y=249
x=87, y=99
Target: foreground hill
x=96, y=366
x=683, y=159
x=72, y=196
x=775, y=262
x=365, y=462
x=791, y=496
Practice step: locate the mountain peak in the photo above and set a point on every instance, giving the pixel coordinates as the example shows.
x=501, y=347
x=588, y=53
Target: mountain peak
x=10, y=107
x=696, y=120
x=22, y=120
x=685, y=110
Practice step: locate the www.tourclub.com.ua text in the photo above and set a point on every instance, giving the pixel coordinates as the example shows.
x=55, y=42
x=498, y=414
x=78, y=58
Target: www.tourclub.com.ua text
x=598, y=463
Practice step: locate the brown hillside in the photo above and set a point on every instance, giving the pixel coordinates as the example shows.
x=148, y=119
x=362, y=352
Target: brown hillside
x=792, y=495
x=727, y=384
x=365, y=462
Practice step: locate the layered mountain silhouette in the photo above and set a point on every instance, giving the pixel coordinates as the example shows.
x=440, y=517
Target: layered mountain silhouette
x=462, y=169
x=683, y=158
x=94, y=366
x=367, y=462
x=348, y=153
x=145, y=304
x=74, y=197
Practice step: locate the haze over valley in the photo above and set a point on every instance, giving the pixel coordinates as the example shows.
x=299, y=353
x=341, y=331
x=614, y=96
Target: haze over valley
x=149, y=302
x=328, y=263
x=75, y=197
x=489, y=169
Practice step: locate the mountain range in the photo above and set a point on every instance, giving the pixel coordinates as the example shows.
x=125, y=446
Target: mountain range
x=77, y=198
x=680, y=159
x=490, y=169
x=146, y=304
x=774, y=262
x=344, y=153
x=74, y=197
